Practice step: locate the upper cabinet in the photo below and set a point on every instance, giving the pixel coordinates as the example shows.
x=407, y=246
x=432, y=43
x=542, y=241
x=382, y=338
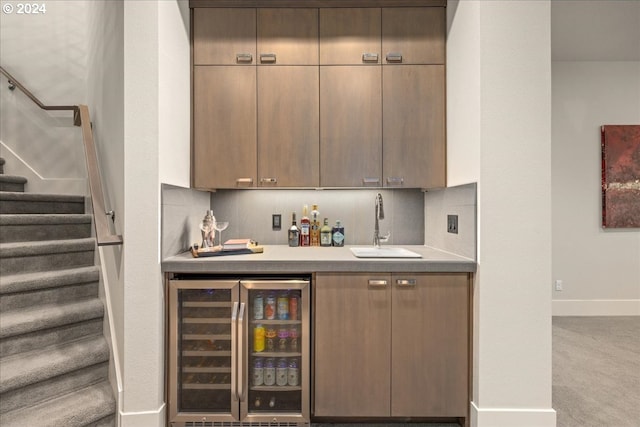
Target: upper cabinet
x=224, y=36
x=341, y=96
x=350, y=36
x=413, y=35
x=287, y=36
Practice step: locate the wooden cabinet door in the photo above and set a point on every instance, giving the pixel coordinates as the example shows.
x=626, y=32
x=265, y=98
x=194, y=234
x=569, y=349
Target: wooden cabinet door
x=288, y=135
x=430, y=344
x=352, y=354
x=224, y=132
x=350, y=126
x=349, y=36
x=223, y=36
x=417, y=34
x=413, y=128
x=288, y=33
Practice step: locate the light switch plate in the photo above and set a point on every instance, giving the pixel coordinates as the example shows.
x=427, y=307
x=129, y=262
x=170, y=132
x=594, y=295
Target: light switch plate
x=452, y=224
x=276, y=222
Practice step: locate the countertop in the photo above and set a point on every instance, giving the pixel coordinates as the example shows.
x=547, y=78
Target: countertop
x=284, y=259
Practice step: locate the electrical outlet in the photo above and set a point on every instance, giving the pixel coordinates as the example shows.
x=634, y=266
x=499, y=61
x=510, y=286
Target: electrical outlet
x=452, y=224
x=558, y=285
x=276, y=222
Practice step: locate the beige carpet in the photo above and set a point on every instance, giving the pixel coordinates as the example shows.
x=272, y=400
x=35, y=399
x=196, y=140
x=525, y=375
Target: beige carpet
x=596, y=371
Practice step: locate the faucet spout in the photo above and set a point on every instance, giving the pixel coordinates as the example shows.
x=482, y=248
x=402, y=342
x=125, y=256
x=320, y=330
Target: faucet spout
x=379, y=214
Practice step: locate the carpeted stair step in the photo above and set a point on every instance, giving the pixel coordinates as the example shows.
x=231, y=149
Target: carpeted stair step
x=52, y=388
x=43, y=280
x=47, y=337
x=25, y=290
x=38, y=318
x=31, y=257
x=12, y=183
x=37, y=227
x=86, y=407
x=26, y=369
x=31, y=203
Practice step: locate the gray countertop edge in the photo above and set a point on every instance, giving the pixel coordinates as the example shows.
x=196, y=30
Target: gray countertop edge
x=280, y=259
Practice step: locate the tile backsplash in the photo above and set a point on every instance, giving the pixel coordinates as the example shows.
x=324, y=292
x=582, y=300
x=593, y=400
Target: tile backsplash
x=413, y=217
x=249, y=213
x=460, y=200
x=182, y=211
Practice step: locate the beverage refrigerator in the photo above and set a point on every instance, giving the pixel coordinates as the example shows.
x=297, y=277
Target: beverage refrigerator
x=238, y=351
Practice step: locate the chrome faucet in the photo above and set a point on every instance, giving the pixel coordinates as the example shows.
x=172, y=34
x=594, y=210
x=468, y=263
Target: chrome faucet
x=379, y=211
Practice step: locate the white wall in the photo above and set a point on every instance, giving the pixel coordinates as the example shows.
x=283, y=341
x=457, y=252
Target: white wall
x=174, y=92
x=105, y=99
x=463, y=92
x=143, y=285
x=600, y=269
x=507, y=76
x=47, y=53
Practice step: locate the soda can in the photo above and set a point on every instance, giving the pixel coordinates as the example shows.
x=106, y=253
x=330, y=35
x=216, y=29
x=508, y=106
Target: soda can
x=258, y=338
x=283, y=306
x=270, y=308
x=293, y=307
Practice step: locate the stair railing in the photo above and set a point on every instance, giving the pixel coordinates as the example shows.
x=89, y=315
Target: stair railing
x=81, y=118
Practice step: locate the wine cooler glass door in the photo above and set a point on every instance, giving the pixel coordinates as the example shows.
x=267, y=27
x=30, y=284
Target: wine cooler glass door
x=275, y=351
x=203, y=339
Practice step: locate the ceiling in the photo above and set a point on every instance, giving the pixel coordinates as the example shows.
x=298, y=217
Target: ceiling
x=595, y=30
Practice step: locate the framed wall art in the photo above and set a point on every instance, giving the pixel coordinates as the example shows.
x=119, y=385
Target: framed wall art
x=620, y=176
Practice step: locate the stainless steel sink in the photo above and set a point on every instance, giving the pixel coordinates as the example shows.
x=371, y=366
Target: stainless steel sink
x=383, y=252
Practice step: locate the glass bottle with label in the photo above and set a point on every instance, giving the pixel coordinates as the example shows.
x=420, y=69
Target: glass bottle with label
x=292, y=372
x=305, y=227
x=315, y=226
x=337, y=233
x=294, y=232
x=282, y=372
x=258, y=372
x=270, y=372
x=325, y=234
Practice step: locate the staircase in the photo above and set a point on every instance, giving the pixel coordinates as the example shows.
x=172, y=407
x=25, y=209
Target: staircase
x=54, y=359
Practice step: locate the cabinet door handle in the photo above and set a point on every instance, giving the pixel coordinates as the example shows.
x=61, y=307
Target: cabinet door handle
x=244, y=58
x=406, y=282
x=395, y=180
x=240, y=355
x=394, y=57
x=370, y=181
x=244, y=181
x=370, y=57
x=268, y=58
x=234, y=345
x=268, y=180
x=379, y=283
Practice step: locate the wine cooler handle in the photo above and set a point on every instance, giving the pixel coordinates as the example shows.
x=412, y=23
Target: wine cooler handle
x=234, y=340
x=240, y=353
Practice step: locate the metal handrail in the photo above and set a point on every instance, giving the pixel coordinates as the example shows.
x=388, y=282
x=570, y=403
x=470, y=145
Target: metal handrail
x=81, y=118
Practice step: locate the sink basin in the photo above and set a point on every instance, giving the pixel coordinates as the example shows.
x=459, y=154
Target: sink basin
x=383, y=252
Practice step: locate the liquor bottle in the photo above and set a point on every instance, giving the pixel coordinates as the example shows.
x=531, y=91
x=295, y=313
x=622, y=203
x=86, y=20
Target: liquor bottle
x=337, y=234
x=305, y=225
x=294, y=232
x=315, y=226
x=325, y=234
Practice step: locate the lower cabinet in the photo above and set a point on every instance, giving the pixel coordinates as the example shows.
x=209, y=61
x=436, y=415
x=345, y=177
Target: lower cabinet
x=391, y=345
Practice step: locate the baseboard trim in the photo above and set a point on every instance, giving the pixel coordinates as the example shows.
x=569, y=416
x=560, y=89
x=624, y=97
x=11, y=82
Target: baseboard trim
x=144, y=419
x=509, y=417
x=607, y=307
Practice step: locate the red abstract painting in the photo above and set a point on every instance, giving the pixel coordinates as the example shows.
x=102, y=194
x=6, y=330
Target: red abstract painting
x=620, y=176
